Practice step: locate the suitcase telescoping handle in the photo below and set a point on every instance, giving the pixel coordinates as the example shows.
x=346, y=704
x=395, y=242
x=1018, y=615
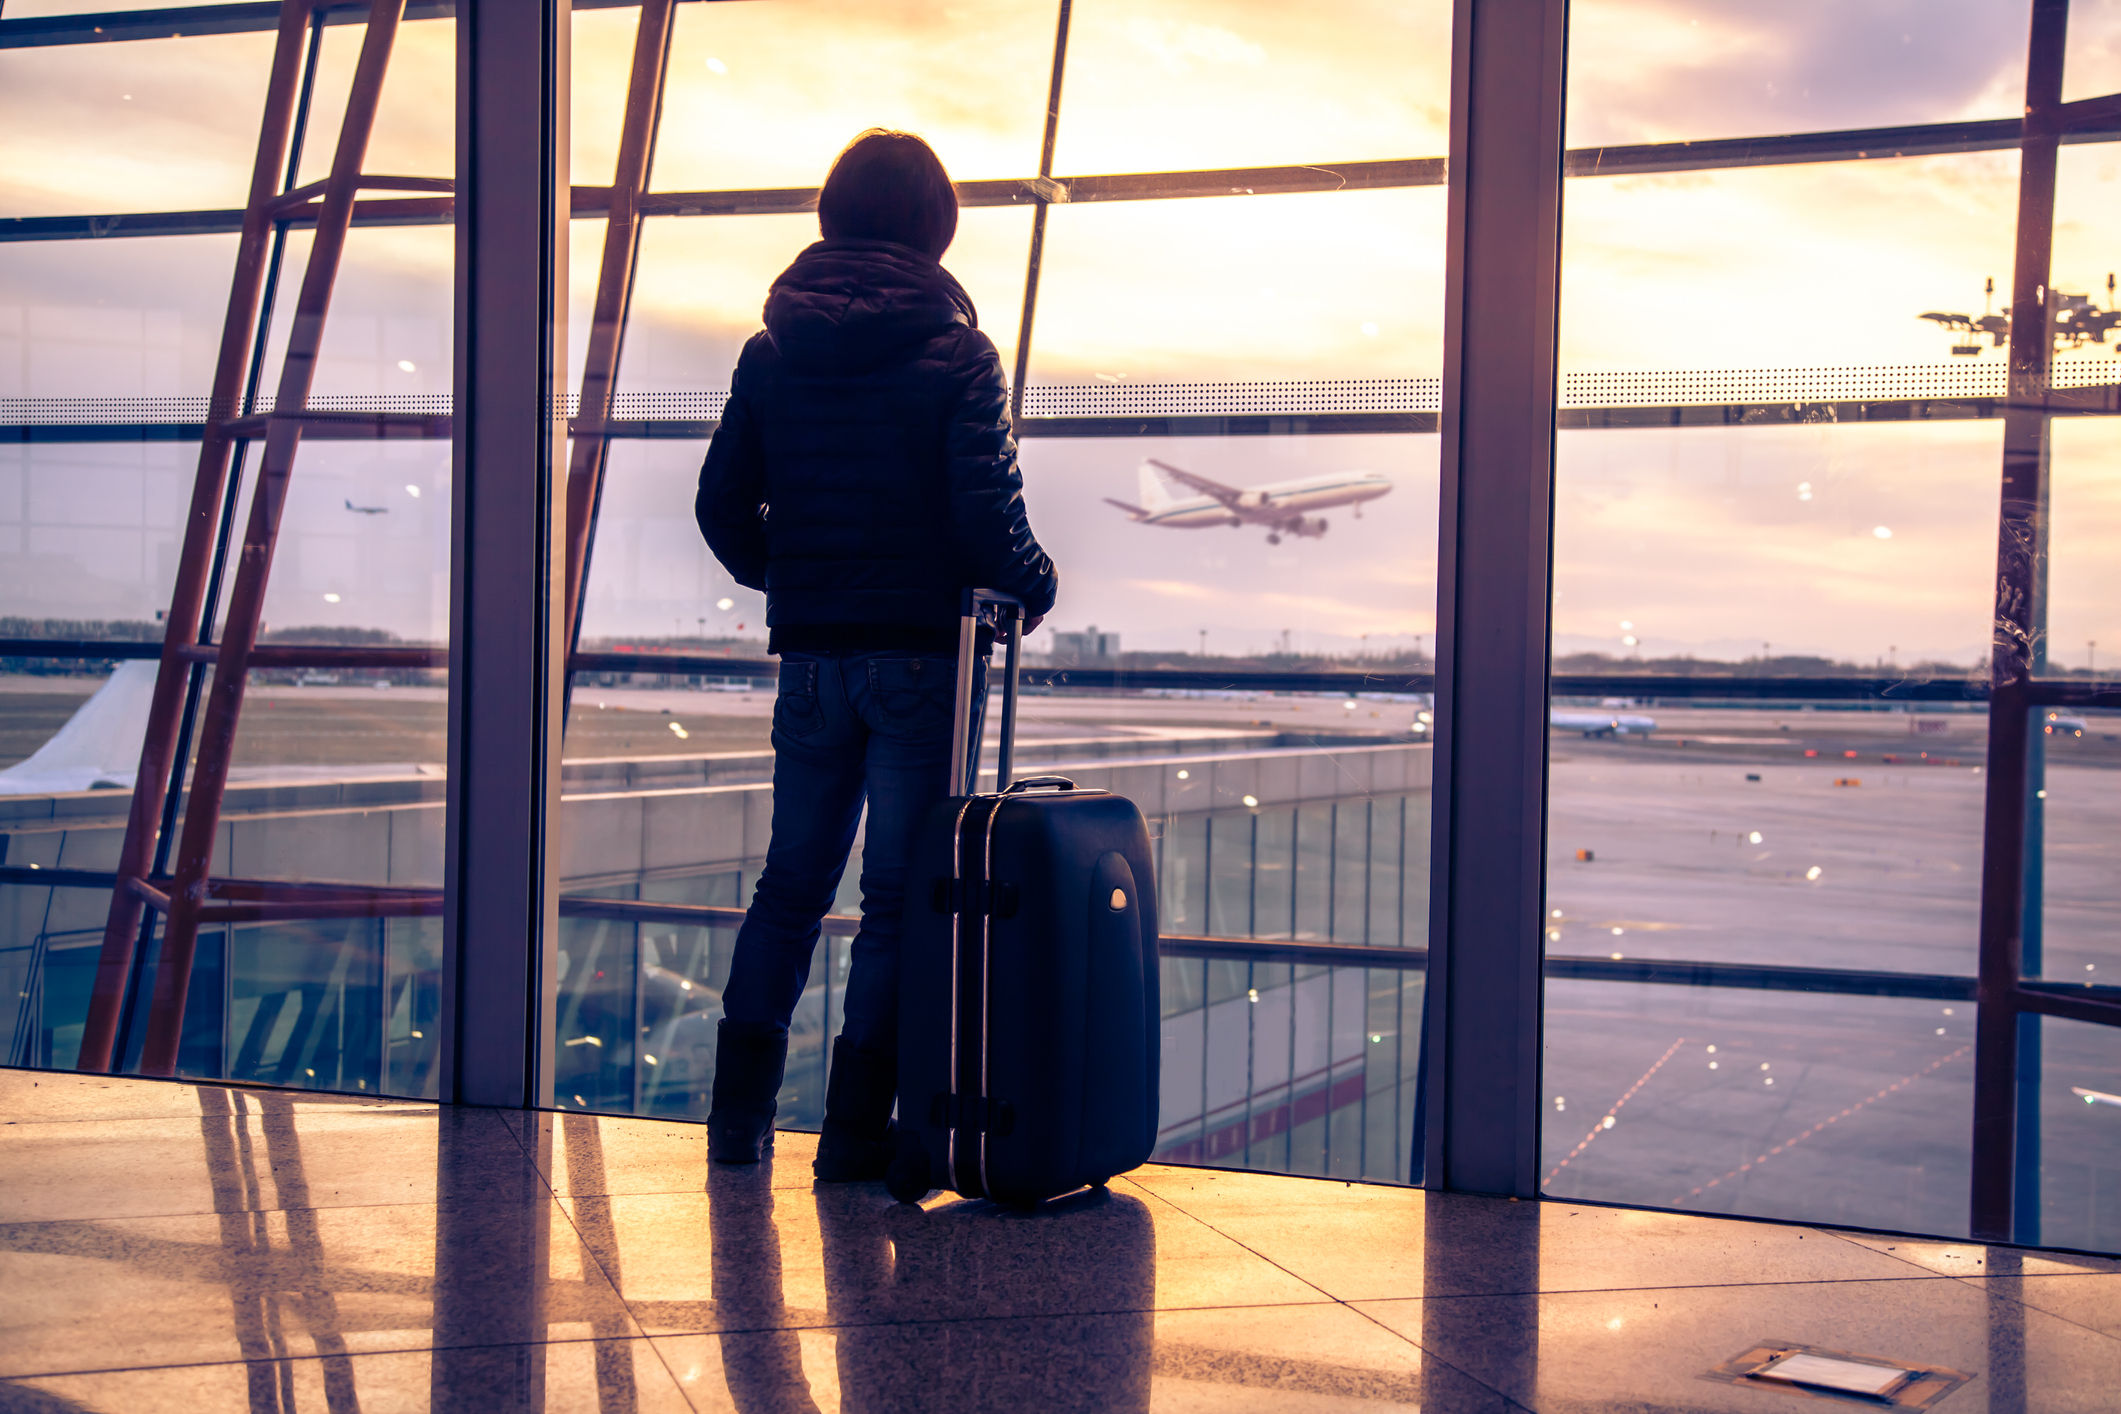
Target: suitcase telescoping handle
x=995, y=609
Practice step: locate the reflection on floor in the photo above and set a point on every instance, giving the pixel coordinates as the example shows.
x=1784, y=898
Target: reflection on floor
x=197, y=1248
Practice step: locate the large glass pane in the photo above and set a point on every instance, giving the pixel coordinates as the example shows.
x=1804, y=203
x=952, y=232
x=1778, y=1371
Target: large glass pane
x=338, y=757
x=2093, y=62
x=1838, y=1109
x=767, y=95
x=1330, y=285
x=2076, y=1075
x=703, y=282
x=2081, y=604
x=1176, y=85
x=415, y=123
x=1748, y=499
x=1275, y=814
x=2076, y=854
x=1654, y=72
x=144, y=125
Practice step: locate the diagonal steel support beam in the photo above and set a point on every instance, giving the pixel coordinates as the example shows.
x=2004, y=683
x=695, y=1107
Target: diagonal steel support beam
x=121, y=929
x=224, y=705
x=591, y=454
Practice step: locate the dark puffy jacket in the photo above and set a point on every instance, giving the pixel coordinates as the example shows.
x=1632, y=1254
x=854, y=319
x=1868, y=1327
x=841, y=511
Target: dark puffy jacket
x=864, y=473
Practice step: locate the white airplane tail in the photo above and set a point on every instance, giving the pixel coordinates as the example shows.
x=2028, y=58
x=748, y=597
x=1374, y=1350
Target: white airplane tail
x=1155, y=490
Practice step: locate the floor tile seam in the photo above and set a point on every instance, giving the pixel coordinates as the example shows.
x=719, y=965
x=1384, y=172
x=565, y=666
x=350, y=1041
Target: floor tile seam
x=662, y=1358
x=2038, y=1310
x=568, y=1195
x=472, y=1198
x=592, y=1258
x=1238, y=1242
x=1854, y=1241
x=1428, y=1354
x=337, y=1118
x=415, y=1348
x=1662, y=1286
x=977, y=1318
x=56, y=1121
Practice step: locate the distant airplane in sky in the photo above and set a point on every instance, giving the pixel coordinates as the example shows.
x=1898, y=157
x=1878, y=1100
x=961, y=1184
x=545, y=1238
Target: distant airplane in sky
x=1601, y=723
x=1278, y=505
x=367, y=510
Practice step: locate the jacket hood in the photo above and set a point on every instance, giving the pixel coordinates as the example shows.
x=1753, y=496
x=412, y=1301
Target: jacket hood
x=847, y=306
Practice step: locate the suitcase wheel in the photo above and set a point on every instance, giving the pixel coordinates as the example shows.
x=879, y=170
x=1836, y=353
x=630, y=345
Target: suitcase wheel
x=908, y=1177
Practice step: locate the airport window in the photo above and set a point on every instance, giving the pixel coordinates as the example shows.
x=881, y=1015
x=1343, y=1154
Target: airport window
x=1135, y=331
x=1813, y=469
x=306, y=966
x=1826, y=818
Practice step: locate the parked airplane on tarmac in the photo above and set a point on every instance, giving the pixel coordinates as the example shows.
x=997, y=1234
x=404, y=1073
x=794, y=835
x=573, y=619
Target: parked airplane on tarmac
x=1279, y=505
x=1600, y=723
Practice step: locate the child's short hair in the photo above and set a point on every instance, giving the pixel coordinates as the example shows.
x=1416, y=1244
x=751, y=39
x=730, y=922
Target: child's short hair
x=889, y=186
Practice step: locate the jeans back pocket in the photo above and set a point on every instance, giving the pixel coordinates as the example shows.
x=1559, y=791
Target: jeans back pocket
x=796, y=709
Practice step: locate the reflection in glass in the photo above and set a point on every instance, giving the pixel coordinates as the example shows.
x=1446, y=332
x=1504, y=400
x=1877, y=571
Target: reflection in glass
x=391, y=316
x=133, y=318
x=89, y=539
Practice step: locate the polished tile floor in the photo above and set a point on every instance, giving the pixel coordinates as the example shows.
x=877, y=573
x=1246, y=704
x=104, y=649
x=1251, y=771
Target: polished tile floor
x=196, y=1248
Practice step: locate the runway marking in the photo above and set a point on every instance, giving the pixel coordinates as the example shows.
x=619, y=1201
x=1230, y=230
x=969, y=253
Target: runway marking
x=1600, y=1127
x=1902, y=1083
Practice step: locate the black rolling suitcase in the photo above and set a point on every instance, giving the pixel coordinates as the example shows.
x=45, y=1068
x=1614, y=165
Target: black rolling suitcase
x=1028, y=1007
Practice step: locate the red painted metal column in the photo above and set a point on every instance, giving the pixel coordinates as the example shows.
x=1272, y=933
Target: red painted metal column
x=121, y=930
x=202, y=816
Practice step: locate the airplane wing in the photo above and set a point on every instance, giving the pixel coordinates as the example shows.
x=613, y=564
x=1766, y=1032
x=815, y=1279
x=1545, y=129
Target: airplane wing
x=1133, y=511
x=1194, y=482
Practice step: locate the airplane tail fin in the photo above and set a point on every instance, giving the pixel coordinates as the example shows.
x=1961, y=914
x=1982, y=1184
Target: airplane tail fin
x=1156, y=491
x=1133, y=512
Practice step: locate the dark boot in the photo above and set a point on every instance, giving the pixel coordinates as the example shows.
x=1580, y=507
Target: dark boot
x=857, y=1141
x=748, y=1062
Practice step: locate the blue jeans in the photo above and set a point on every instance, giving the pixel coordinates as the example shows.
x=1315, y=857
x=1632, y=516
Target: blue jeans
x=846, y=727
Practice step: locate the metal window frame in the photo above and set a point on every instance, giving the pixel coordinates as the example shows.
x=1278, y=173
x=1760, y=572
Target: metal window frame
x=506, y=656
x=1502, y=268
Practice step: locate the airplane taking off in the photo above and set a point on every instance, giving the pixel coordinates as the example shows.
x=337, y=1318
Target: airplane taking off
x=367, y=510
x=1600, y=723
x=1279, y=505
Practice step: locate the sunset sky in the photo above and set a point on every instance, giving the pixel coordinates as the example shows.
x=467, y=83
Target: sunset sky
x=1701, y=538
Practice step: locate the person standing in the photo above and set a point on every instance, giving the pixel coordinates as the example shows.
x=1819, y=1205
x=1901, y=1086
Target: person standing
x=864, y=476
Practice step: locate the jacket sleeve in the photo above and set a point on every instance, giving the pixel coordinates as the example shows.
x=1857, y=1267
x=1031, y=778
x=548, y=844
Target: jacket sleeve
x=990, y=529
x=731, y=503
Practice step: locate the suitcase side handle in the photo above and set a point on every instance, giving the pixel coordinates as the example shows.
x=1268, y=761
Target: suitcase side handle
x=1030, y=783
